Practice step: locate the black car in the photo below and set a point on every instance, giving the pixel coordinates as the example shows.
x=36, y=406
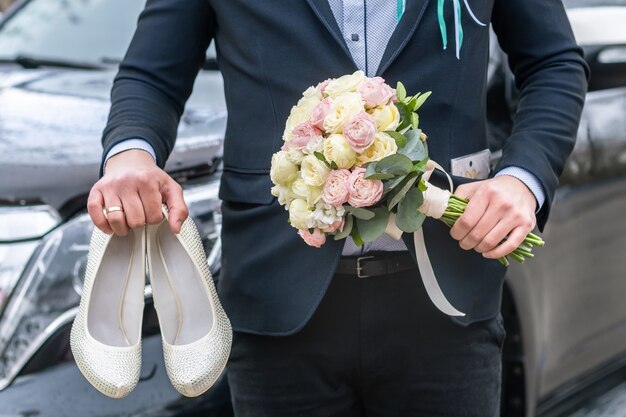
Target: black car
x=564, y=311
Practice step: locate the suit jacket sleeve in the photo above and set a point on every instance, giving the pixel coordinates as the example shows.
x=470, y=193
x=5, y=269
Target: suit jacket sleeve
x=552, y=77
x=156, y=76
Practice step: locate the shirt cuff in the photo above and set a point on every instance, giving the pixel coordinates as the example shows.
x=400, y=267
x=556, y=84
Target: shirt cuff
x=127, y=145
x=529, y=179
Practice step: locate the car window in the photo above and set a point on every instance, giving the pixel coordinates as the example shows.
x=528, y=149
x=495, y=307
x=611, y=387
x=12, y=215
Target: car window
x=72, y=30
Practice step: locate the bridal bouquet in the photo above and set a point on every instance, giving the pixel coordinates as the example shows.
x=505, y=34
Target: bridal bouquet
x=355, y=163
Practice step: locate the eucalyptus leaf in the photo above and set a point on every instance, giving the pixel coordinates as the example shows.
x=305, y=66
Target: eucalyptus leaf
x=421, y=99
x=418, y=153
x=408, y=218
x=379, y=176
x=371, y=230
x=398, y=137
x=406, y=185
x=347, y=228
x=360, y=213
x=371, y=169
x=400, y=91
x=395, y=164
x=391, y=184
x=356, y=236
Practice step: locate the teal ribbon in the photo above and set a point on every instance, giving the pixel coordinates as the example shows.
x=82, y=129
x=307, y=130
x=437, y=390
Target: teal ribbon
x=442, y=23
x=401, y=4
x=458, y=27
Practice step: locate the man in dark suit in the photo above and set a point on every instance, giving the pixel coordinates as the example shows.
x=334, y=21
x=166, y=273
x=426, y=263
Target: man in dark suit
x=342, y=330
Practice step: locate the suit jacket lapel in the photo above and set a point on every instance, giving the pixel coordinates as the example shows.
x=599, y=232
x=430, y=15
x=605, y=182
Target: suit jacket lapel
x=405, y=29
x=325, y=14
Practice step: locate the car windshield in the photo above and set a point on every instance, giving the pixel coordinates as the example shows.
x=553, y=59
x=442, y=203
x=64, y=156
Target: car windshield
x=93, y=31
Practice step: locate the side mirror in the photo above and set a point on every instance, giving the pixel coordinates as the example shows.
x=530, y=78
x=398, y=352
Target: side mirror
x=600, y=151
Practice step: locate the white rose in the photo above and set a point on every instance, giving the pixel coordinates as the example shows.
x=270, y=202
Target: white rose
x=314, y=145
x=344, y=84
x=311, y=194
x=295, y=156
x=299, y=214
x=325, y=215
x=383, y=146
x=342, y=109
x=300, y=113
x=313, y=171
x=338, y=150
x=387, y=117
x=313, y=92
x=284, y=194
x=283, y=171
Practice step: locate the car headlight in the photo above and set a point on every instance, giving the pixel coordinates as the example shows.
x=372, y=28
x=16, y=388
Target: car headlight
x=47, y=292
x=19, y=227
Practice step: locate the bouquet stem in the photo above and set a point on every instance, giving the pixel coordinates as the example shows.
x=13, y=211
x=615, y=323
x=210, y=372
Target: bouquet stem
x=456, y=207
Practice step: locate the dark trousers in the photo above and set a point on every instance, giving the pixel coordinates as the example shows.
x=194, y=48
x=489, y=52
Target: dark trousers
x=375, y=347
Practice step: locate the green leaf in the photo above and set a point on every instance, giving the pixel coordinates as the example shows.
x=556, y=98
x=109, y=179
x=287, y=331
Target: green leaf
x=421, y=99
x=360, y=213
x=333, y=165
x=356, y=236
x=406, y=185
x=394, y=164
x=391, y=184
x=400, y=91
x=418, y=153
x=347, y=228
x=398, y=137
x=411, y=102
x=405, y=114
x=408, y=218
x=420, y=166
x=371, y=169
x=421, y=185
x=371, y=230
x=321, y=157
x=415, y=120
x=379, y=176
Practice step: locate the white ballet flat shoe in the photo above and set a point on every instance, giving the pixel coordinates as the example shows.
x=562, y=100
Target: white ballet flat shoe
x=106, y=334
x=196, y=332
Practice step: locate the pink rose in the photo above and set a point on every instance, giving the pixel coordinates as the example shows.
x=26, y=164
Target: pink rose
x=315, y=239
x=322, y=86
x=363, y=193
x=338, y=225
x=320, y=112
x=302, y=135
x=360, y=131
x=375, y=92
x=336, y=190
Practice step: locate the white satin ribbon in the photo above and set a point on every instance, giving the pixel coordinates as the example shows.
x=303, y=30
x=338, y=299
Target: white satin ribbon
x=434, y=205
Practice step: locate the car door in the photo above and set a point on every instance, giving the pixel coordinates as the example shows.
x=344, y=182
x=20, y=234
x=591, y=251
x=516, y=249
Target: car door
x=580, y=275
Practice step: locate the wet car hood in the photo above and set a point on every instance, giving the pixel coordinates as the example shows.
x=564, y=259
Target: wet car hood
x=51, y=123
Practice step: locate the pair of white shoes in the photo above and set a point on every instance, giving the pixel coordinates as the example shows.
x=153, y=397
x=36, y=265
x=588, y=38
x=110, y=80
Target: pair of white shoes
x=106, y=334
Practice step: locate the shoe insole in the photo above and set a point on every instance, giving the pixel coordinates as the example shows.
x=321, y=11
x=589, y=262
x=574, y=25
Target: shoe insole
x=116, y=304
x=181, y=297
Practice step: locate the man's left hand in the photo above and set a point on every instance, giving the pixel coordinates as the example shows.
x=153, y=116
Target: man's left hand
x=498, y=207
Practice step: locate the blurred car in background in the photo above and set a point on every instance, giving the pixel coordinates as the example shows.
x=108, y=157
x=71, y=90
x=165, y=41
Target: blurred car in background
x=564, y=311
x=58, y=59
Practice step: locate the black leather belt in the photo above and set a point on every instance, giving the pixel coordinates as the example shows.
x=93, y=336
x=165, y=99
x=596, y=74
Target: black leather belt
x=376, y=264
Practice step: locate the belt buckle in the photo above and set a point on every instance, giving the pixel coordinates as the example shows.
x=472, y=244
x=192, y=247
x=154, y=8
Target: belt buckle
x=359, y=268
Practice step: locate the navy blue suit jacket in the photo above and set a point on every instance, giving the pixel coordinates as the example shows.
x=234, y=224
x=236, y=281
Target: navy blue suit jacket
x=269, y=51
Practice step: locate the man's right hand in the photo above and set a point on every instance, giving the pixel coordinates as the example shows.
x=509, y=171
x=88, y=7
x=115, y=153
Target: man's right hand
x=134, y=182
